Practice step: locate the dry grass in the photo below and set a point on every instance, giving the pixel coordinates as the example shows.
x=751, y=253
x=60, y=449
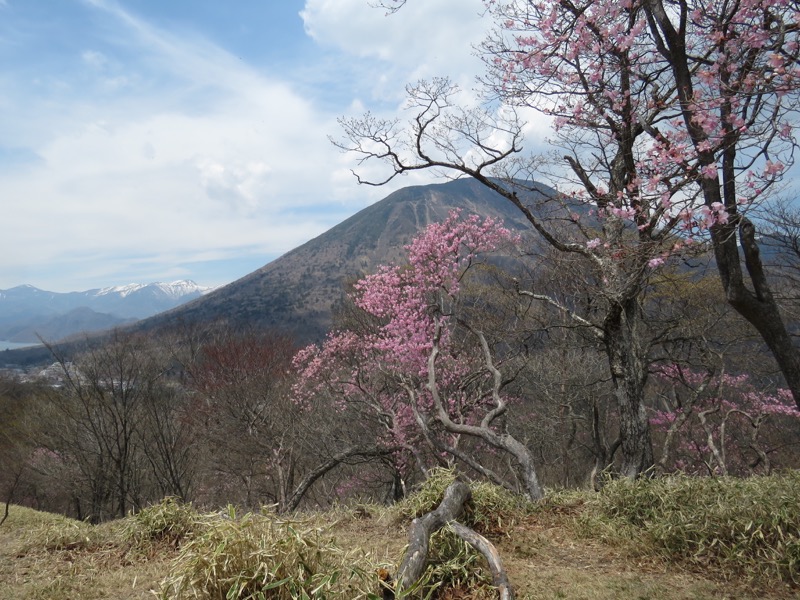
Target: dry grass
x=45, y=556
x=574, y=545
x=259, y=557
x=738, y=528
x=490, y=510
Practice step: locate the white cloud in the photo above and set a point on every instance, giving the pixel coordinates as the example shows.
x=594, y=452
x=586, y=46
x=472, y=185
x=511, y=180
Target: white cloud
x=148, y=151
x=219, y=160
x=172, y=181
x=426, y=38
x=422, y=31
x=96, y=60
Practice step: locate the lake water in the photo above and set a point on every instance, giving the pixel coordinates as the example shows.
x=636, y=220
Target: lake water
x=4, y=345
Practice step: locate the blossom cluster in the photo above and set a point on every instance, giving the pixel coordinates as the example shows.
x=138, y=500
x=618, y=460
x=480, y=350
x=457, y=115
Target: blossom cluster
x=600, y=71
x=374, y=369
x=719, y=422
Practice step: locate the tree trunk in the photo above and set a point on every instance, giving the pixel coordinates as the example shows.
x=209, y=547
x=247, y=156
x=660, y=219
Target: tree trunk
x=416, y=557
x=451, y=507
x=10, y=496
x=757, y=307
x=628, y=371
x=503, y=440
x=485, y=547
x=322, y=469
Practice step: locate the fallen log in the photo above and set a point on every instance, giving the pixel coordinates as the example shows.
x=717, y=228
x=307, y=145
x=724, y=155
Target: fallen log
x=492, y=556
x=416, y=557
x=452, y=505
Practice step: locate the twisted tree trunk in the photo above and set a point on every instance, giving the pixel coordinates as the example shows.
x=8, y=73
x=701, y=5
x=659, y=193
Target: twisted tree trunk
x=451, y=507
x=485, y=547
x=416, y=557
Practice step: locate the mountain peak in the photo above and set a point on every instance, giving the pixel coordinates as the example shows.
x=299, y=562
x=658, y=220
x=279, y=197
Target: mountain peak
x=27, y=312
x=182, y=287
x=122, y=290
x=175, y=289
x=298, y=292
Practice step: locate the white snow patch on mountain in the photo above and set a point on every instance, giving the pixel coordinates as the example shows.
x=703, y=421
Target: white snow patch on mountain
x=174, y=290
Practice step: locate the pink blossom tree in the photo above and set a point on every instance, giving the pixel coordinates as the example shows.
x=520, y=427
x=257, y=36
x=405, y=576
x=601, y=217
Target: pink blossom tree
x=718, y=424
x=425, y=371
x=669, y=121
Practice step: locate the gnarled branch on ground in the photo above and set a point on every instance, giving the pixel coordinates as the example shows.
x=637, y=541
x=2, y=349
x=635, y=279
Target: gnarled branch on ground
x=416, y=557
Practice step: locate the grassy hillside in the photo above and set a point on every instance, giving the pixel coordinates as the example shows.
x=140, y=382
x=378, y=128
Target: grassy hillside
x=664, y=539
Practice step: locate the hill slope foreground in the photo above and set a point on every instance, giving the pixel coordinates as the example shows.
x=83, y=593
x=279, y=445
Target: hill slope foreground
x=640, y=540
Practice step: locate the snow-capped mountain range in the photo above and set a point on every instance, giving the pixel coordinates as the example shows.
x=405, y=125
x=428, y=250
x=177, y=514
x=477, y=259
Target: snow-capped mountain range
x=175, y=290
x=26, y=312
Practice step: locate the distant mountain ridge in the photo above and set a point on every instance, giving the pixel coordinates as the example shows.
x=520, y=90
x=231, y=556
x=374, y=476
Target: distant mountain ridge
x=176, y=289
x=27, y=312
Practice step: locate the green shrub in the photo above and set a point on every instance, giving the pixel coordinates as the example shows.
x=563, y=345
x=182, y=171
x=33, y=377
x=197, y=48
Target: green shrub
x=742, y=526
x=427, y=497
x=494, y=509
x=454, y=570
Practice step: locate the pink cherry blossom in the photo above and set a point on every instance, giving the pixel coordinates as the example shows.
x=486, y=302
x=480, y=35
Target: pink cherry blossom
x=374, y=370
x=720, y=421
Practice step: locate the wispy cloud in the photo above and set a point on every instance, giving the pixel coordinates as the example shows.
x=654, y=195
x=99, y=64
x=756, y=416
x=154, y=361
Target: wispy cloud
x=135, y=148
x=186, y=152
x=423, y=40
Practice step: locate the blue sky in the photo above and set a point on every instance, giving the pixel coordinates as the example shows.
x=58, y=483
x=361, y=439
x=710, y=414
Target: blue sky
x=155, y=140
